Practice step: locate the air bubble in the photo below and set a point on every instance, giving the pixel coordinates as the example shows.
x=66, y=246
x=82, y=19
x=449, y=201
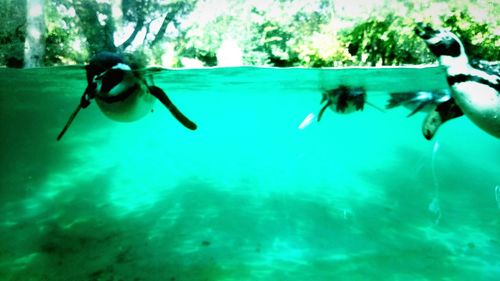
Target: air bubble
x=435, y=209
x=497, y=195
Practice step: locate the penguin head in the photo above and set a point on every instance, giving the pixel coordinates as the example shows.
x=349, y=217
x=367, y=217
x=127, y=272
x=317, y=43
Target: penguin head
x=441, y=42
x=109, y=76
x=114, y=81
x=100, y=63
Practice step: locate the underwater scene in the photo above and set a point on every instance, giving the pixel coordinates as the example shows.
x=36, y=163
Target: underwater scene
x=260, y=191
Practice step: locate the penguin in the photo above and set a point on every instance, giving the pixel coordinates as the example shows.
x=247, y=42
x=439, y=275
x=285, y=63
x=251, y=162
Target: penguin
x=344, y=100
x=475, y=90
x=121, y=91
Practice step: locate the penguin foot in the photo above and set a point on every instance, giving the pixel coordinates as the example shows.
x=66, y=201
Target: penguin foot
x=442, y=113
x=432, y=122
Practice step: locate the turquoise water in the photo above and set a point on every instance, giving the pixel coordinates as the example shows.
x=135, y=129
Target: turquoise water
x=249, y=195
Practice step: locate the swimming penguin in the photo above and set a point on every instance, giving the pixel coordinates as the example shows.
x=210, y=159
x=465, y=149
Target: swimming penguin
x=475, y=91
x=121, y=91
x=421, y=101
x=344, y=100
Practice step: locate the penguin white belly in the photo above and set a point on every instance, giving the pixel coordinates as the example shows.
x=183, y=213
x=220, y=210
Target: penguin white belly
x=133, y=107
x=481, y=105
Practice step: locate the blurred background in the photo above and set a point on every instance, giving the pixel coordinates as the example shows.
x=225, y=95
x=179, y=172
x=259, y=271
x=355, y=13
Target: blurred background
x=283, y=33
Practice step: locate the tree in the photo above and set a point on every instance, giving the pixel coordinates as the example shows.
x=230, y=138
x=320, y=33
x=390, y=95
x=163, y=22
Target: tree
x=12, y=32
x=387, y=41
x=34, y=45
x=97, y=24
x=313, y=33
x=479, y=39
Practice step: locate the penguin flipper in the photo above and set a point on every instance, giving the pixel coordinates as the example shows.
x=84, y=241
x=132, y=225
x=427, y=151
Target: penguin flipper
x=320, y=114
x=376, y=107
x=442, y=113
x=163, y=98
x=399, y=99
x=68, y=123
x=87, y=96
x=418, y=108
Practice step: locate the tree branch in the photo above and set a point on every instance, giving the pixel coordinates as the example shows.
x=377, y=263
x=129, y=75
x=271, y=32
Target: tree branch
x=166, y=21
x=98, y=37
x=131, y=38
x=140, y=24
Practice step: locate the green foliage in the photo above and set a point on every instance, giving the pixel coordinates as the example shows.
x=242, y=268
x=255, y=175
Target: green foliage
x=479, y=39
x=56, y=47
x=388, y=41
x=98, y=33
x=324, y=50
x=285, y=33
x=12, y=32
x=202, y=43
x=391, y=40
x=287, y=41
x=59, y=52
x=272, y=41
x=62, y=32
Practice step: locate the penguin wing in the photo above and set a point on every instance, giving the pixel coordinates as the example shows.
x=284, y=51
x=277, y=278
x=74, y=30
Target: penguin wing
x=320, y=114
x=163, y=98
x=84, y=102
x=68, y=123
x=420, y=106
x=399, y=99
x=491, y=68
